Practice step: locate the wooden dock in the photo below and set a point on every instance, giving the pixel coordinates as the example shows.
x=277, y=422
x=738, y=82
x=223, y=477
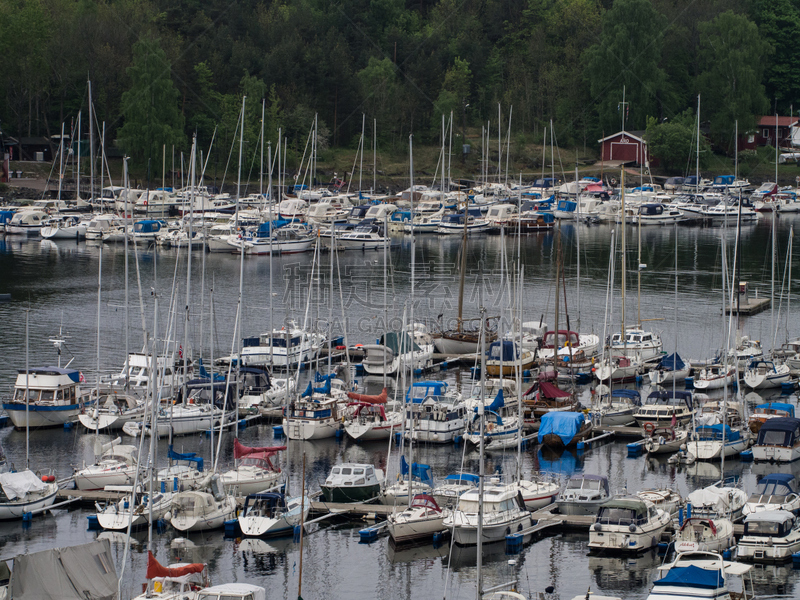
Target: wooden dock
x=750, y=306
x=629, y=432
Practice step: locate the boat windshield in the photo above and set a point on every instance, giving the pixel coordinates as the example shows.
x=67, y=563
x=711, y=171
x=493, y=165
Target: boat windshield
x=773, y=488
x=762, y=528
x=585, y=484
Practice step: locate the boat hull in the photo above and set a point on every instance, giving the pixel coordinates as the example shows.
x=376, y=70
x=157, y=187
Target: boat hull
x=467, y=535
x=42, y=416
x=16, y=510
x=350, y=493
x=310, y=429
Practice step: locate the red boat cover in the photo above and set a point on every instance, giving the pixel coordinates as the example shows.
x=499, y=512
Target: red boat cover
x=155, y=569
x=240, y=451
x=379, y=399
x=548, y=390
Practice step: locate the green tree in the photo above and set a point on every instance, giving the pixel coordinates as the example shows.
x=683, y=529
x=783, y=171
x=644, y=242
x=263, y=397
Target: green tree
x=381, y=92
x=628, y=56
x=732, y=59
x=674, y=142
x=779, y=24
x=150, y=107
x=454, y=94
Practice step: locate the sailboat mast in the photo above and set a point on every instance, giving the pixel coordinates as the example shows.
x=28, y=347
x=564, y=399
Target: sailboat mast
x=639, y=276
x=774, y=246
x=622, y=213
x=241, y=278
x=27, y=390
x=578, y=246
x=125, y=236
x=481, y=413
x=558, y=270
x=60, y=160
x=91, y=144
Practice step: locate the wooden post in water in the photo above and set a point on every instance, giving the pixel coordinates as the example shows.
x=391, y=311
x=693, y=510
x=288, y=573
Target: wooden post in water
x=302, y=527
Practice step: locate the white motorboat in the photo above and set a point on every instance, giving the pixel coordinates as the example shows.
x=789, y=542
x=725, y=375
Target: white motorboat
x=778, y=440
x=664, y=408
x=282, y=347
x=46, y=397
x=763, y=374
x=26, y=222
x=775, y=491
x=254, y=471
x=666, y=499
x=655, y=214
x=770, y=536
x=197, y=510
x=715, y=377
x=272, y=514
x=616, y=408
x=438, y=415
x=285, y=240
x=629, y=525
x=766, y=411
x=618, y=369
x=453, y=224
x=134, y=377
x=116, y=465
x=99, y=224
x=718, y=500
x=362, y=237
x=419, y=521
x=643, y=345
x=702, y=576
x=233, y=591
x=539, y=491
x=65, y=227
x=704, y=535
x=395, y=350
x=353, y=482
x=503, y=513
x=583, y=495
x=23, y=492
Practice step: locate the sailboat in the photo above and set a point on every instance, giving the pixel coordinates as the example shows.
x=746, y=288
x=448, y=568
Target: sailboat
x=116, y=465
x=254, y=471
x=199, y=510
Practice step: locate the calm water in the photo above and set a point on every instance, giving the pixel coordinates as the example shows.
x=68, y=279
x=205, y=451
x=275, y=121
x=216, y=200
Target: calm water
x=58, y=284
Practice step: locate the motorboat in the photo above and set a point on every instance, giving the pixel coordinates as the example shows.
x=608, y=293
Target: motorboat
x=539, y=491
x=419, y=521
x=363, y=237
x=450, y=489
x=254, y=471
x=655, y=214
x=112, y=411
x=26, y=222
x=46, y=397
x=775, y=491
x=663, y=440
x=353, y=482
x=770, y=536
x=453, y=224
x=670, y=368
x=24, y=492
x=198, y=510
x=583, y=495
x=282, y=347
x=666, y=499
x=433, y=414
x=664, y=408
x=643, y=345
x=778, y=440
x=416, y=480
x=704, y=535
x=718, y=500
x=397, y=350
x=562, y=429
x=233, y=591
x=715, y=377
x=509, y=357
x=116, y=465
x=178, y=581
x=764, y=374
x=504, y=512
x=272, y=514
x=627, y=524
x=702, y=576
x=64, y=227
x=571, y=346
x=99, y=224
x=769, y=410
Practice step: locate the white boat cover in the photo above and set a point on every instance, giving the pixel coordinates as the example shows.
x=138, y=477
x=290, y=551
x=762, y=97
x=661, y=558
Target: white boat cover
x=74, y=573
x=231, y=591
x=17, y=485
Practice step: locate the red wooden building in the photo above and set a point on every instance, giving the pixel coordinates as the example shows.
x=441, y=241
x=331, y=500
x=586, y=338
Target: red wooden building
x=625, y=146
x=764, y=134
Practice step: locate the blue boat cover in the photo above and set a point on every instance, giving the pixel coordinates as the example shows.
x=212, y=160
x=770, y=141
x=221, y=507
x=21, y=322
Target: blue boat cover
x=777, y=406
x=498, y=402
x=714, y=432
x=508, y=353
x=673, y=362
x=266, y=228
x=692, y=576
x=325, y=389
x=205, y=374
x=626, y=393
x=563, y=424
x=419, y=471
x=186, y=457
x=463, y=477
x=420, y=390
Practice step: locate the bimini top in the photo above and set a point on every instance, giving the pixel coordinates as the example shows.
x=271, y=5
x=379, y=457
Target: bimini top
x=468, y=477
x=779, y=480
x=773, y=406
x=232, y=591
x=770, y=516
x=669, y=398
x=563, y=424
x=692, y=576
x=780, y=424
x=505, y=351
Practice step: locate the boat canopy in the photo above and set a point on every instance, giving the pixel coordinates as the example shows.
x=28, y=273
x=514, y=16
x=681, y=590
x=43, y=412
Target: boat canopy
x=692, y=576
x=399, y=342
x=73, y=573
x=651, y=209
x=420, y=390
x=264, y=229
x=504, y=350
x=777, y=484
x=186, y=457
x=632, y=395
x=425, y=501
x=780, y=431
x=622, y=511
x=469, y=477
x=715, y=432
x=156, y=570
x=596, y=482
x=233, y=591
x=147, y=226
x=669, y=398
x=561, y=423
x=673, y=362
x=564, y=336
x=776, y=406
x=241, y=451
x=419, y=471
x=552, y=391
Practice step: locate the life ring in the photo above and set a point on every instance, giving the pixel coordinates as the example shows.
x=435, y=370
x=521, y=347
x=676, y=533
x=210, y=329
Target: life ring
x=649, y=427
x=145, y=202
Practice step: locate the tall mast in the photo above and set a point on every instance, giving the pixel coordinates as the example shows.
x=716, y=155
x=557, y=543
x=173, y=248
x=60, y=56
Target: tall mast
x=91, y=144
x=241, y=277
x=60, y=160
x=622, y=212
x=481, y=413
x=774, y=247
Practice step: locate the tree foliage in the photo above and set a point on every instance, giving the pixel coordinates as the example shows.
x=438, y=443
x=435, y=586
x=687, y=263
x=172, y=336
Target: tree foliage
x=674, y=143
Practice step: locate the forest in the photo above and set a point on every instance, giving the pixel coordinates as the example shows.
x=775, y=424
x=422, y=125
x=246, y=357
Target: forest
x=163, y=71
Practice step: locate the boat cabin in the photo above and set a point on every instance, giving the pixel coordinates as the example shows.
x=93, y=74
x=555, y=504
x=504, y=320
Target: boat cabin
x=668, y=398
x=380, y=211
x=233, y=591
x=264, y=505
x=588, y=486
x=625, y=511
x=775, y=488
x=544, y=183
x=352, y=474
x=357, y=213
x=420, y=390
x=254, y=381
x=503, y=351
x=147, y=227
x=565, y=337
x=769, y=523
x=501, y=213
x=633, y=337
x=781, y=431
x=48, y=385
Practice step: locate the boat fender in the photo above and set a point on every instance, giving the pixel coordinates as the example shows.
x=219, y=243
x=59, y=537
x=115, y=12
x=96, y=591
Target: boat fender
x=598, y=527
x=632, y=528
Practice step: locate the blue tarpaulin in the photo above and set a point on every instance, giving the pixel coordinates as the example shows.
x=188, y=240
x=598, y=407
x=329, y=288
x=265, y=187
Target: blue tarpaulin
x=564, y=424
x=325, y=389
x=692, y=576
x=714, y=432
x=673, y=362
x=266, y=228
x=205, y=374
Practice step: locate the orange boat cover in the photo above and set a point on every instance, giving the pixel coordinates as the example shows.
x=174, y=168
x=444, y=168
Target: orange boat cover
x=155, y=569
x=379, y=399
